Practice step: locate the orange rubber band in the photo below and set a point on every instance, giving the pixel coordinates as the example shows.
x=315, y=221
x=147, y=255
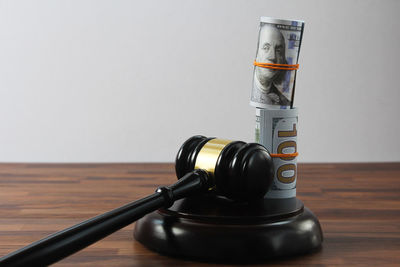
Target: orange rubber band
x=289, y=155
x=276, y=66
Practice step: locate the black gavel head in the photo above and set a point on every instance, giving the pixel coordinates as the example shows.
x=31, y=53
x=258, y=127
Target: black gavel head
x=241, y=171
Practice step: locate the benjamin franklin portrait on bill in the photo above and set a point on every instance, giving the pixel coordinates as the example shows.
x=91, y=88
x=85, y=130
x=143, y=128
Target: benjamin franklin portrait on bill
x=267, y=85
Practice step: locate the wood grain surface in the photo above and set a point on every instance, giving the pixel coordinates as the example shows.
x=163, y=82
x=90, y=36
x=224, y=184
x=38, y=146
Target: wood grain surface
x=358, y=206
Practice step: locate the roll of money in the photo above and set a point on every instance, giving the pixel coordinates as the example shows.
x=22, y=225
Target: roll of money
x=278, y=133
x=278, y=43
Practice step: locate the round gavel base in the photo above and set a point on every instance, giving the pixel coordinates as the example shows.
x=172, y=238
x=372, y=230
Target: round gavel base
x=210, y=228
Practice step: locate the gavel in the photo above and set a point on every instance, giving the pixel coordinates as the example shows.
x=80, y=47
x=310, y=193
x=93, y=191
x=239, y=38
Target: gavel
x=232, y=169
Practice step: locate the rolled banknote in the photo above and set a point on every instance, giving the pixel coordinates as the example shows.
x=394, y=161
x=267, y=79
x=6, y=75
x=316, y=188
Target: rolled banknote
x=278, y=43
x=277, y=131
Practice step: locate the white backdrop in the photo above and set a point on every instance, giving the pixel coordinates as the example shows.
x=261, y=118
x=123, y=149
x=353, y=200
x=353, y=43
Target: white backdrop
x=129, y=81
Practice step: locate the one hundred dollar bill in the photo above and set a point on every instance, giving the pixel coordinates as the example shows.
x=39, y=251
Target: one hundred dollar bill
x=278, y=43
x=277, y=131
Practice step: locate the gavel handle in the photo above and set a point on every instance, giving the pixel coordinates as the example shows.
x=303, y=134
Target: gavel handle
x=68, y=241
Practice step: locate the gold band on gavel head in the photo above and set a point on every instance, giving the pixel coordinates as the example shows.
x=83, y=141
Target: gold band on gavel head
x=209, y=153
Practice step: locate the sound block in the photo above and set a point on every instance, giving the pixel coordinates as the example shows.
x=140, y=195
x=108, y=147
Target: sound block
x=211, y=228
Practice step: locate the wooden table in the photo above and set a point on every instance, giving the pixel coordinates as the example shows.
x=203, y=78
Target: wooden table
x=358, y=206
